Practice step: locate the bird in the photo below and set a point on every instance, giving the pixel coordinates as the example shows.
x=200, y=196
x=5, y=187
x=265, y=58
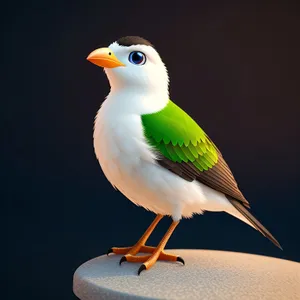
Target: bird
x=155, y=153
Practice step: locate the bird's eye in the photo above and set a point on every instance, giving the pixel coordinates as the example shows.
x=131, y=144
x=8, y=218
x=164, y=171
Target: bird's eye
x=137, y=58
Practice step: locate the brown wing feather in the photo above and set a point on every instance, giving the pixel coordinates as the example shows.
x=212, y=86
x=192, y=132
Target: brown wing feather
x=219, y=177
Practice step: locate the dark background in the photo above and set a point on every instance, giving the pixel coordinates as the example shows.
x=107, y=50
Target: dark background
x=234, y=67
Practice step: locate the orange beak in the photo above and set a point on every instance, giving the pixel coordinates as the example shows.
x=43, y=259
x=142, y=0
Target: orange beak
x=104, y=57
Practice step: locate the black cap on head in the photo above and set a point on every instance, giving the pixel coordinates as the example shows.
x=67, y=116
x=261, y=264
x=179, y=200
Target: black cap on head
x=133, y=40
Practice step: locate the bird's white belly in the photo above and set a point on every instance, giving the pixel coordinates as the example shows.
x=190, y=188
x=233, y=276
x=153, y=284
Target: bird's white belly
x=129, y=165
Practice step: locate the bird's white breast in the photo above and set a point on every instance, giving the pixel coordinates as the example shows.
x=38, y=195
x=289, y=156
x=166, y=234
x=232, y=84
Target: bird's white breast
x=121, y=149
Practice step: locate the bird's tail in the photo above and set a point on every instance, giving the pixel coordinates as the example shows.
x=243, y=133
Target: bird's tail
x=253, y=221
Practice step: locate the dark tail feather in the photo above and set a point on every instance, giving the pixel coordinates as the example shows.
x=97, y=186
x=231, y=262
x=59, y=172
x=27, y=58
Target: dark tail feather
x=264, y=231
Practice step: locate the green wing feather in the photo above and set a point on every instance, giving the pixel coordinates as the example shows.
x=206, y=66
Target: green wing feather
x=179, y=138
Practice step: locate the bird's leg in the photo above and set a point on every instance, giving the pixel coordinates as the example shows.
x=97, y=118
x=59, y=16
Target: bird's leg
x=158, y=253
x=140, y=245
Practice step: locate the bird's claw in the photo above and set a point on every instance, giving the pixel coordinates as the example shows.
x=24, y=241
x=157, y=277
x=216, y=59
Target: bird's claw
x=122, y=260
x=110, y=250
x=141, y=269
x=180, y=259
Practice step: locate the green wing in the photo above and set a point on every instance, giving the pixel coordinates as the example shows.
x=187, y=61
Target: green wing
x=179, y=138
x=187, y=151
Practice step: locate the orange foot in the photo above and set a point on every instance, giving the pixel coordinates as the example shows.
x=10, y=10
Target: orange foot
x=150, y=260
x=157, y=253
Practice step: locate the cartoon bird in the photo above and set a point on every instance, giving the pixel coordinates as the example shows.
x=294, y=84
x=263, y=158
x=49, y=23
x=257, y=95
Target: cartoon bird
x=154, y=152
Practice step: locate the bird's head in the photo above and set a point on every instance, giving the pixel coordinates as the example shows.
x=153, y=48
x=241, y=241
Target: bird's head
x=132, y=62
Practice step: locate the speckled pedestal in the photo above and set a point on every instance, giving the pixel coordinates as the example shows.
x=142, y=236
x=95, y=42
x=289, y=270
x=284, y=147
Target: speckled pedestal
x=207, y=275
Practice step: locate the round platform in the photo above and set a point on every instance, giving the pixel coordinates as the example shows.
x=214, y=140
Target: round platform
x=207, y=275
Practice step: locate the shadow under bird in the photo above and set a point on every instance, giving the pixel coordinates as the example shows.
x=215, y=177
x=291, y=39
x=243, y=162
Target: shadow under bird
x=154, y=153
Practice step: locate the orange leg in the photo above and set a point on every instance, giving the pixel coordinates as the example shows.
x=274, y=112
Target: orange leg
x=140, y=245
x=159, y=253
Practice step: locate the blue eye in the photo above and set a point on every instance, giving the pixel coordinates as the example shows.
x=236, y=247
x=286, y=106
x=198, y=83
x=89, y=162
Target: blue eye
x=137, y=58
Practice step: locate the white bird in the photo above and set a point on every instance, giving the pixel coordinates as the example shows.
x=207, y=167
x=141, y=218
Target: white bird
x=155, y=153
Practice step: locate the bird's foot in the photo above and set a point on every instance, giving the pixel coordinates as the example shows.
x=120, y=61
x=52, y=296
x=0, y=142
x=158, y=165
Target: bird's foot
x=157, y=253
x=149, y=260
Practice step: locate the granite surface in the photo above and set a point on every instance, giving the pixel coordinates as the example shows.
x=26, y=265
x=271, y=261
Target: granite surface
x=207, y=274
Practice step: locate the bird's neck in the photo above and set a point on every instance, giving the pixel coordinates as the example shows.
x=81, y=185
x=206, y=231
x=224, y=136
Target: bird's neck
x=130, y=100
x=142, y=90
